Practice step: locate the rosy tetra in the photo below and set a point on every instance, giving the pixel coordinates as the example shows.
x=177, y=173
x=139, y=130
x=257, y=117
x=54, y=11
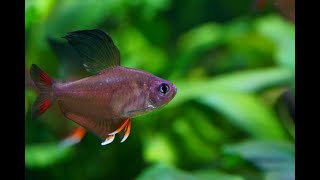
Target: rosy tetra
x=105, y=102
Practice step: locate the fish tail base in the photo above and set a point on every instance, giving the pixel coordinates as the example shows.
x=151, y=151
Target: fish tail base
x=46, y=94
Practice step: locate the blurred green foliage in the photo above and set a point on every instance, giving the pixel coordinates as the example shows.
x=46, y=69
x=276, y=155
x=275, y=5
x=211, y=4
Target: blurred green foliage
x=230, y=65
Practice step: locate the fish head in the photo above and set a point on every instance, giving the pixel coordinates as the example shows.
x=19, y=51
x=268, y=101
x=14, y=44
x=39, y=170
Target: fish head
x=161, y=92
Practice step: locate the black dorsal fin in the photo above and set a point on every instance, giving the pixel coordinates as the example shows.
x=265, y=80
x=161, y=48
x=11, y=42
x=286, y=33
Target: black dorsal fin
x=96, y=48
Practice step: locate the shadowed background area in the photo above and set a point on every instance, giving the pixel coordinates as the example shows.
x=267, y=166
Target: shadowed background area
x=233, y=63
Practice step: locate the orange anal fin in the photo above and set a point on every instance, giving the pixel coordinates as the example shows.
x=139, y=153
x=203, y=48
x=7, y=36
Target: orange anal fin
x=121, y=127
x=108, y=140
x=127, y=131
x=75, y=137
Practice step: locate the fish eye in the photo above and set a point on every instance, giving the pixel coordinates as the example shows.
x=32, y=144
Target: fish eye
x=164, y=88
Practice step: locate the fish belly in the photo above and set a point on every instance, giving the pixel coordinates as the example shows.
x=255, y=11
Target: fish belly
x=93, y=112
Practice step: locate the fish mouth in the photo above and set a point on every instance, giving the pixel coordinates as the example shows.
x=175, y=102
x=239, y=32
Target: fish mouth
x=174, y=92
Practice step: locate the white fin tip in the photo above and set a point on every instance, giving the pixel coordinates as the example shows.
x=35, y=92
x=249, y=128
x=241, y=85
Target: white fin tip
x=108, y=140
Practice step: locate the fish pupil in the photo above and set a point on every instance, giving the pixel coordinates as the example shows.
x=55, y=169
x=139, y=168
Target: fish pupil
x=164, y=88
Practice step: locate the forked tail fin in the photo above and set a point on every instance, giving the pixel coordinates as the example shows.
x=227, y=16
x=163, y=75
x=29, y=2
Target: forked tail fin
x=46, y=95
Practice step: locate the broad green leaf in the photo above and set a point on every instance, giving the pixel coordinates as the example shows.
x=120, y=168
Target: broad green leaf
x=193, y=42
x=151, y=7
x=138, y=52
x=242, y=81
x=252, y=80
x=215, y=174
x=164, y=172
x=193, y=132
x=37, y=11
x=157, y=148
x=197, y=149
x=229, y=94
x=245, y=111
x=282, y=33
x=251, y=45
x=43, y=155
x=81, y=14
x=275, y=158
x=203, y=127
x=206, y=35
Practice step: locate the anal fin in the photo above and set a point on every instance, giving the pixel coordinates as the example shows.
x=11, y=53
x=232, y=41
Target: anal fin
x=126, y=127
x=125, y=122
x=108, y=140
x=126, y=132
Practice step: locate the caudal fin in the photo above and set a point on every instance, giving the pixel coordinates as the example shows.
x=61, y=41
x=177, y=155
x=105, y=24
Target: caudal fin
x=46, y=95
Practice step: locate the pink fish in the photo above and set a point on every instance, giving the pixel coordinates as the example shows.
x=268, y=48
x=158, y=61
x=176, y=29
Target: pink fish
x=106, y=102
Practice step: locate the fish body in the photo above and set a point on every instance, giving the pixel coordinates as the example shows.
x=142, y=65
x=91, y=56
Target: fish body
x=103, y=103
x=109, y=98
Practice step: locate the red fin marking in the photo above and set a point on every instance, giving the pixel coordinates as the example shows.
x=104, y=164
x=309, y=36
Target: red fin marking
x=45, y=78
x=44, y=106
x=46, y=96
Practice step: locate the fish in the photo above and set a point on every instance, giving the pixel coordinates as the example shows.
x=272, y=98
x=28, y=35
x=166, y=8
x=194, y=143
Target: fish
x=105, y=102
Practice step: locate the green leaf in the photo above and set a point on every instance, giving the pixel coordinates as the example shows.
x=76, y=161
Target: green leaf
x=43, y=155
x=81, y=14
x=229, y=94
x=137, y=51
x=165, y=172
x=242, y=81
x=37, y=11
x=151, y=7
x=196, y=148
x=158, y=148
x=195, y=41
x=245, y=111
x=206, y=35
x=252, y=80
x=282, y=33
x=275, y=158
x=214, y=174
